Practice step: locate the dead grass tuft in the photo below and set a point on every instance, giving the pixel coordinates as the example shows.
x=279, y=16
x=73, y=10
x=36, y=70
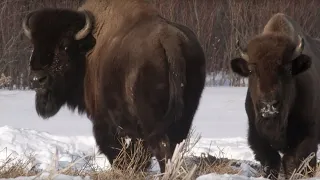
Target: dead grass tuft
x=182, y=166
x=13, y=167
x=210, y=164
x=130, y=162
x=304, y=169
x=178, y=168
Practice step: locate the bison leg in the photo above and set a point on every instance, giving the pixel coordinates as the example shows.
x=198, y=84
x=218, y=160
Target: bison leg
x=289, y=166
x=109, y=144
x=162, y=151
x=107, y=141
x=268, y=157
x=292, y=161
x=179, y=130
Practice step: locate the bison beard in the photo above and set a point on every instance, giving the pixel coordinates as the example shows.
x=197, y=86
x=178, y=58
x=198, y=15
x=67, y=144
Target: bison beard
x=50, y=99
x=47, y=105
x=274, y=130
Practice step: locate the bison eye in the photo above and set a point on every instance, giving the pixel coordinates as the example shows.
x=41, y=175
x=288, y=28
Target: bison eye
x=64, y=48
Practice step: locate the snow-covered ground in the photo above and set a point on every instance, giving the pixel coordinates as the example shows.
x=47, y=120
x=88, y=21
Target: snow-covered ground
x=67, y=137
x=220, y=109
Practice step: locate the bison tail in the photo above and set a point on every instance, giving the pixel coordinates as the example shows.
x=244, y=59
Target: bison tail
x=177, y=79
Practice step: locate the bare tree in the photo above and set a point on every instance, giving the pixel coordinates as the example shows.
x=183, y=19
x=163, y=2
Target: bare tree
x=217, y=23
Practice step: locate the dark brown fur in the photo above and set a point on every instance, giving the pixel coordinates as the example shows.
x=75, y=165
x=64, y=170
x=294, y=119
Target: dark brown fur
x=135, y=74
x=292, y=82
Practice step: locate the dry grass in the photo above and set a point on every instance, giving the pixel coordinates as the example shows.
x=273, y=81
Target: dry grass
x=4, y=80
x=181, y=167
x=128, y=160
x=210, y=164
x=177, y=168
x=305, y=168
x=14, y=167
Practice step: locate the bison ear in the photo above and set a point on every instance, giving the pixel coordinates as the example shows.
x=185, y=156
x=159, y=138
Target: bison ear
x=301, y=64
x=240, y=66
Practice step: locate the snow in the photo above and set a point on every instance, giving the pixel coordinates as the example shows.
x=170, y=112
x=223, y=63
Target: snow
x=46, y=175
x=220, y=120
x=214, y=176
x=233, y=148
x=45, y=147
x=17, y=109
x=220, y=107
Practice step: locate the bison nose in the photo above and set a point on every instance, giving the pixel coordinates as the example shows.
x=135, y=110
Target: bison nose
x=273, y=103
x=38, y=79
x=269, y=109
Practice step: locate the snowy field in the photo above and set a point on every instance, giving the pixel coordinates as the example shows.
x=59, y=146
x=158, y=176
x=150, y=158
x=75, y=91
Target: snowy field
x=220, y=120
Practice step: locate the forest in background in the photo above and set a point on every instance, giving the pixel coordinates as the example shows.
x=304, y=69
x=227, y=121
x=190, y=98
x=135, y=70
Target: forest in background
x=217, y=24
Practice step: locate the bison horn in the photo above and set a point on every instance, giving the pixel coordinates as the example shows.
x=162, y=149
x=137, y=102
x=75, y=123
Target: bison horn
x=243, y=54
x=299, y=47
x=25, y=26
x=86, y=29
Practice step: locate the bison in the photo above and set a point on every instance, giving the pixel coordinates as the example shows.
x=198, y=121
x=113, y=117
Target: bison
x=282, y=102
x=131, y=71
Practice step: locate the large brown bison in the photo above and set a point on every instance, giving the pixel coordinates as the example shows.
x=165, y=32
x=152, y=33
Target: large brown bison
x=283, y=97
x=133, y=72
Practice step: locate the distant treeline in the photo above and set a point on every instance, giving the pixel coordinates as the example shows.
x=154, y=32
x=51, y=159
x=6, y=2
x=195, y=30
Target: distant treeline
x=216, y=22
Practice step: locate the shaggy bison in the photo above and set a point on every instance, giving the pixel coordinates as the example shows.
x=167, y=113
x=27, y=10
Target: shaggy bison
x=132, y=72
x=283, y=97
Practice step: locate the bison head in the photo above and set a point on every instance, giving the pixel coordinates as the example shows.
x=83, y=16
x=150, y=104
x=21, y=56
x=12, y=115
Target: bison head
x=60, y=38
x=272, y=62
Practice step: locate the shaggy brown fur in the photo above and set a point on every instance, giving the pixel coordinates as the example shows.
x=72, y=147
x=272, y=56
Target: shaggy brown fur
x=283, y=100
x=134, y=73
